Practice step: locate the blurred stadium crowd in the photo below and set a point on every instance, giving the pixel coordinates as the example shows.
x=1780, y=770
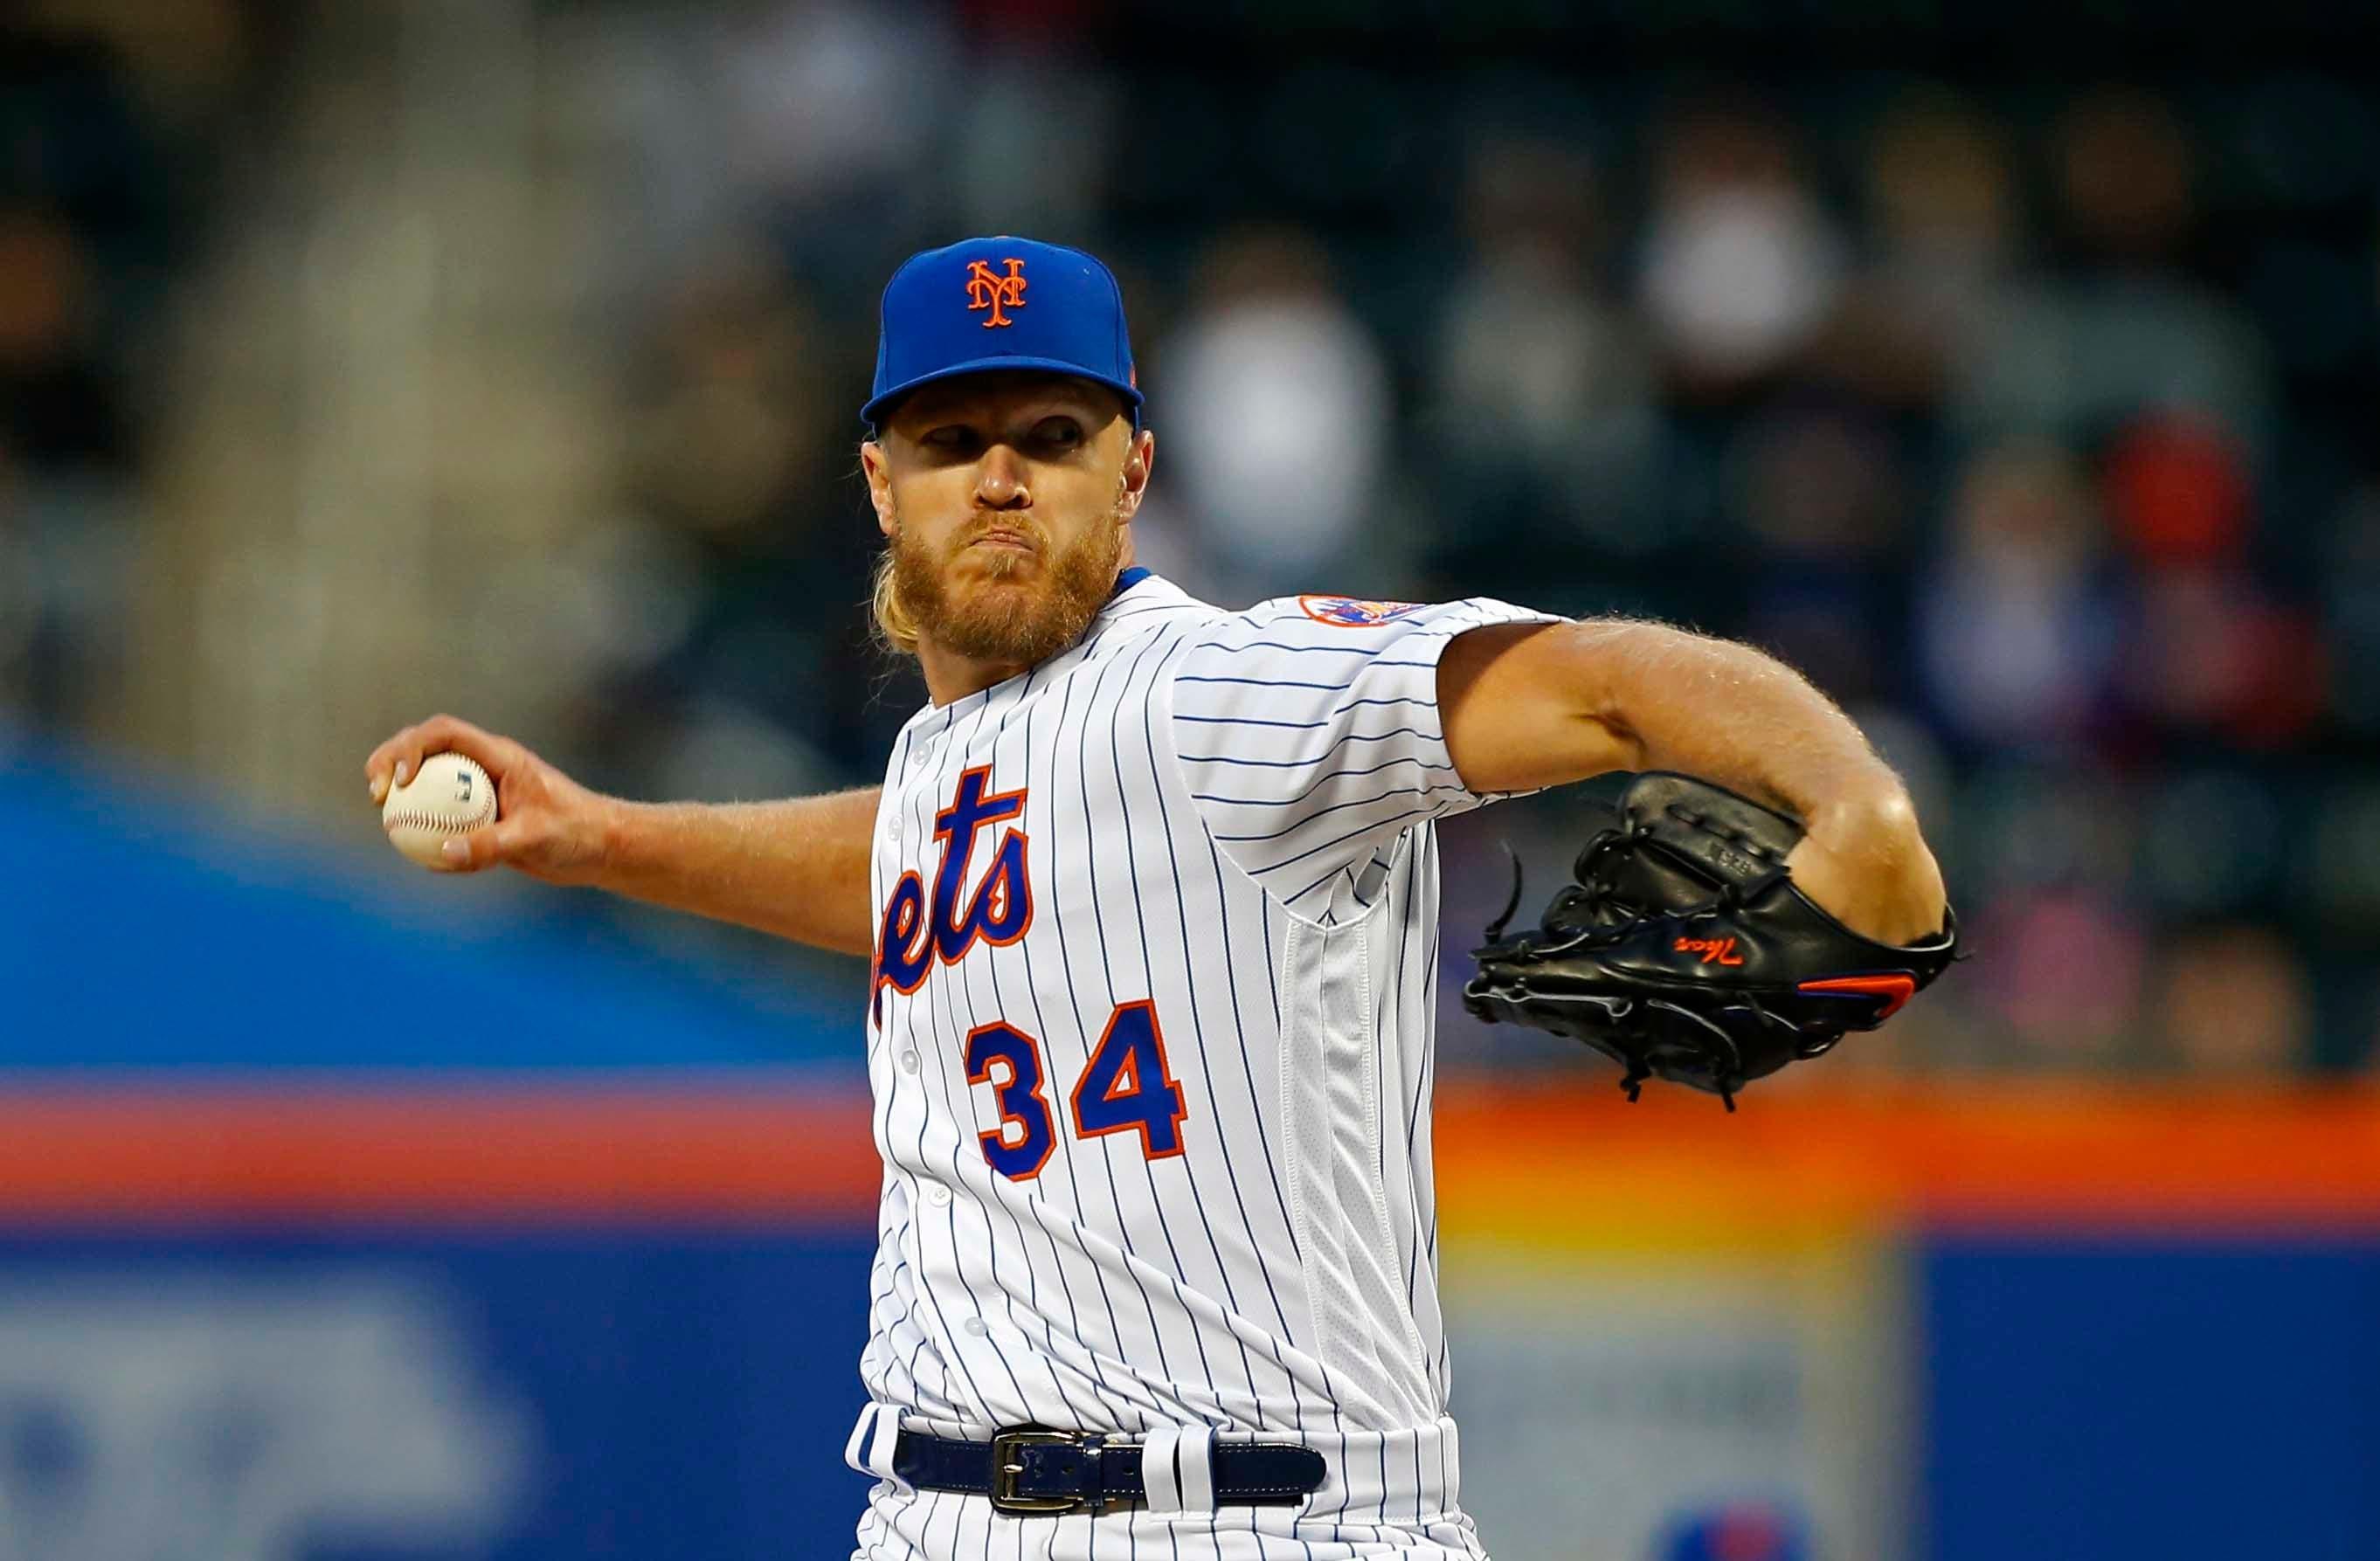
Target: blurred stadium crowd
x=367, y=359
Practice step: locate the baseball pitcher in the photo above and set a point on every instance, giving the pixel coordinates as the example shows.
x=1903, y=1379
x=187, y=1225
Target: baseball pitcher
x=1149, y=897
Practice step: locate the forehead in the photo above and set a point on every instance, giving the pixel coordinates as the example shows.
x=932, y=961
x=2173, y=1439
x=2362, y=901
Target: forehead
x=1003, y=391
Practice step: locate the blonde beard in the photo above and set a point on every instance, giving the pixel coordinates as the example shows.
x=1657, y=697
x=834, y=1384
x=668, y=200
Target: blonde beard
x=1000, y=617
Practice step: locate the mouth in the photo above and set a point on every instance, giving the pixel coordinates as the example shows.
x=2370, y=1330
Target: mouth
x=1013, y=541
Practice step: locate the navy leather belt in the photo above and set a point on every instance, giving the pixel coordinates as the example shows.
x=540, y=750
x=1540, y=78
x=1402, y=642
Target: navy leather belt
x=1026, y=1470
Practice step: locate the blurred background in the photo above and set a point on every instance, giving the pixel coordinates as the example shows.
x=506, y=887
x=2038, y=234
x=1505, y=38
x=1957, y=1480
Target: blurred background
x=2013, y=369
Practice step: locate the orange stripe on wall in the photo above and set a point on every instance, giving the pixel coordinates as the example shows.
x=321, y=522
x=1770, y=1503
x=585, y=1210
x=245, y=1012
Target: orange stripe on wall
x=1557, y=1161
x=545, y=1154
x=2021, y=1154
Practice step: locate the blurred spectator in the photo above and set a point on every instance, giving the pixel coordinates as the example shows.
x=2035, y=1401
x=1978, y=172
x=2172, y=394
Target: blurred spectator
x=2126, y=327
x=2015, y=622
x=1821, y=493
x=2211, y=652
x=1277, y=412
x=1818, y=485
x=2178, y=491
x=1539, y=393
x=1944, y=238
x=2232, y=1000
x=2061, y=972
x=2124, y=171
x=822, y=98
x=1740, y=265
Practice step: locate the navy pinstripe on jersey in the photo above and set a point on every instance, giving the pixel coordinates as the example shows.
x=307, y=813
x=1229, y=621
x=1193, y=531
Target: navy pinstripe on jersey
x=1149, y=1037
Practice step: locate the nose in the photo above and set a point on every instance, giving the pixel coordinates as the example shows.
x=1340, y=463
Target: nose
x=1001, y=483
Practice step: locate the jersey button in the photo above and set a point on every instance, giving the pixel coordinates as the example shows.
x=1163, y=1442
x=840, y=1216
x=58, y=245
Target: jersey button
x=908, y=1062
x=937, y=1195
x=978, y=1326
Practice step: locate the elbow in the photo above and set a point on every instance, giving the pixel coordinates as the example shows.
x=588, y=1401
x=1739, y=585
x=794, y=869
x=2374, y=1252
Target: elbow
x=1880, y=829
x=1877, y=808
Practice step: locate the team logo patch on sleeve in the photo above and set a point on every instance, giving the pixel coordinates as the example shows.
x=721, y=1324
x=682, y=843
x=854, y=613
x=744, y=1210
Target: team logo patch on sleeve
x=1355, y=612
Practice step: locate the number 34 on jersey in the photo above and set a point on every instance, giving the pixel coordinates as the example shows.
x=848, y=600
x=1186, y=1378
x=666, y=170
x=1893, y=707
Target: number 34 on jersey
x=1126, y=1085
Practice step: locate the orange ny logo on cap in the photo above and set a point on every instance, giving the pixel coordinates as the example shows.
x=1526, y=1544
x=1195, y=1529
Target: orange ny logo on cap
x=986, y=289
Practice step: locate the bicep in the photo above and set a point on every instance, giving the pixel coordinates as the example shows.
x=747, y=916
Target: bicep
x=1523, y=709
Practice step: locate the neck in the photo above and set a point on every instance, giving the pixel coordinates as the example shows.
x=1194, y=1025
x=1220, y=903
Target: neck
x=950, y=676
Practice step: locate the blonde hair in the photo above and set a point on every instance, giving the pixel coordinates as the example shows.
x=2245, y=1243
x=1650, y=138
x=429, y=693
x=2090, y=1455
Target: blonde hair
x=896, y=630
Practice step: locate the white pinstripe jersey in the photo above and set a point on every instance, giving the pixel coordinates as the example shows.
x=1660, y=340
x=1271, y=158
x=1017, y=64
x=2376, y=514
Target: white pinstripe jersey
x=1150, y=1027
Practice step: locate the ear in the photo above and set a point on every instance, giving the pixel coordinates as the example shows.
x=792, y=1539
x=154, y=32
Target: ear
x=1139, y=461
x=872, y=463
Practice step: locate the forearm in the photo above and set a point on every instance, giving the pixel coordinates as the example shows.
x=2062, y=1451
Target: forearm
x=797, y=869
x=1731, y=714
x=1527, y=706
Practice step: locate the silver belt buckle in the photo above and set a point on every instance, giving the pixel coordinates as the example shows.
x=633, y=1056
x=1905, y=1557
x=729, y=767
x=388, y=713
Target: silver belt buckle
x=1005, y=1468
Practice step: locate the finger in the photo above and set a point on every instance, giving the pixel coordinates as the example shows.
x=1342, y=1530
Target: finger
x=379, y=765
x=439, y=734
x=398, y=760
x=490, y=845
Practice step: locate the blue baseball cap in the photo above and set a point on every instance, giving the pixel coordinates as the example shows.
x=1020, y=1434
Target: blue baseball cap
x=1002, y=302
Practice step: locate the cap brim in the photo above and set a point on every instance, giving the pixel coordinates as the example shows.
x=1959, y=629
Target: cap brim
x=872, y=414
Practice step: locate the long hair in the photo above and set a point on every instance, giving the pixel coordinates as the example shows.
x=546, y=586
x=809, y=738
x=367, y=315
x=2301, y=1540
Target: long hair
x=896, y=630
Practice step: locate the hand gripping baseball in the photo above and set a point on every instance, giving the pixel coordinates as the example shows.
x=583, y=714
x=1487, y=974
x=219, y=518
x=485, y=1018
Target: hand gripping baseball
x=547, y=825
x=1688, y=949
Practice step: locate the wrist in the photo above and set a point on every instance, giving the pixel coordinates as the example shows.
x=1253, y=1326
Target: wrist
x=620, y=830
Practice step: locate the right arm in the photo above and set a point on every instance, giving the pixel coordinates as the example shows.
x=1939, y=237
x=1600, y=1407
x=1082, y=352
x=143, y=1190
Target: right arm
x=798, y=869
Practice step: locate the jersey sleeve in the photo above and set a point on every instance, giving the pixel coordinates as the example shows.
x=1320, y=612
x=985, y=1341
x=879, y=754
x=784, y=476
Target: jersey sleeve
x=1309, y=732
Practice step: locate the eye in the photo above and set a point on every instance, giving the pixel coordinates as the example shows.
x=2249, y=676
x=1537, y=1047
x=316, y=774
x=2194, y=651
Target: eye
x=948, y=436
x=1062, y=431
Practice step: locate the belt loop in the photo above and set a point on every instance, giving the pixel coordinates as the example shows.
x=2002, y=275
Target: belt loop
x=872, y=1440
x=1160, y=1477
x=1177, y=1469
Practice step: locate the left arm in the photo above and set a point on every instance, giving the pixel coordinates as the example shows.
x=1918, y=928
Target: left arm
x=1532, y=704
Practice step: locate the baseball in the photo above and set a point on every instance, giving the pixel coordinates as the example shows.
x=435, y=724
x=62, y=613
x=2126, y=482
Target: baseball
x=452, y=795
